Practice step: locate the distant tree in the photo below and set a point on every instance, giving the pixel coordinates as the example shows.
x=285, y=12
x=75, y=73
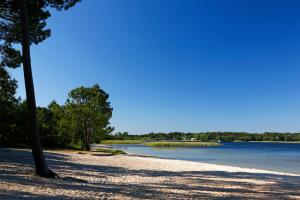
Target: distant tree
x=89, y=112
x=45, y=126
x=202, y=136
x=23, y=22
x=58, y=125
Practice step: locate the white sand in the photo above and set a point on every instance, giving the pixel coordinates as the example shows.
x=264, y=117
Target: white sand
x=133, y=177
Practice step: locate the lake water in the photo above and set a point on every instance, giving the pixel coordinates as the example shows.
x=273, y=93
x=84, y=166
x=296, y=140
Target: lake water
x=282, y=157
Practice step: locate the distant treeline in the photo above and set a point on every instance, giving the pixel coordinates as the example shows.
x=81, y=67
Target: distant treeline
x=211, y=136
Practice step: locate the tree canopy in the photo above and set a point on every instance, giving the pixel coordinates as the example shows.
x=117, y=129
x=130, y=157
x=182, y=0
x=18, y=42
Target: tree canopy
x=89, y=112
x=8, y=104
x=76, y=124
x=10, y=25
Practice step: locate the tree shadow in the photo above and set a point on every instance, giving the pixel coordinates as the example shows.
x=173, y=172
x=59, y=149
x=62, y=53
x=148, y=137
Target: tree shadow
x=98, y=180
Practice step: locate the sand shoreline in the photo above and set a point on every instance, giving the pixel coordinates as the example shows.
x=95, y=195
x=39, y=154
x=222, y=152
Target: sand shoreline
x=99, y=176
x=245, y=169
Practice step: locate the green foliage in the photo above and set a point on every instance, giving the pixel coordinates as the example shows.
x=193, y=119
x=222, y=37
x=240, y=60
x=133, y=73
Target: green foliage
x=59, y=126
x=122, y=141
x=88, y=111
x=8, y=88
x=120, y=135
x=10, y=25
x=82, y=120
x=181, y=144
x=214, y=136
x=8, y=106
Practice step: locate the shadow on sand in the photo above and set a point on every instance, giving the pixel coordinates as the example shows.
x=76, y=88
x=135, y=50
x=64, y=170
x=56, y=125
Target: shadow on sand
x=15, y=163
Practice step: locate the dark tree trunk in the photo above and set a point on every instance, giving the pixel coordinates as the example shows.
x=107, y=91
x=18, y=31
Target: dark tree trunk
x=87, y=145
x=41, y=167
x=88, y=141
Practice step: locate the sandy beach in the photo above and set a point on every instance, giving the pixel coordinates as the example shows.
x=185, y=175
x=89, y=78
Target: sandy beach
x=101, y=176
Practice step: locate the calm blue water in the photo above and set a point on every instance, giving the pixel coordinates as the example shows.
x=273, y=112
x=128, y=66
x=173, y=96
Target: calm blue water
x=280, y=157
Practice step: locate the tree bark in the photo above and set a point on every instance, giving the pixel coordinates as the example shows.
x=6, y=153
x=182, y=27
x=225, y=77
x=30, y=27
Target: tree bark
x=41, y=166
x=87, y=145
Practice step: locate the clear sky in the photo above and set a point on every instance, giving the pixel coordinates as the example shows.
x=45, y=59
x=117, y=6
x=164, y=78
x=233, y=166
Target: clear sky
x=178, y=65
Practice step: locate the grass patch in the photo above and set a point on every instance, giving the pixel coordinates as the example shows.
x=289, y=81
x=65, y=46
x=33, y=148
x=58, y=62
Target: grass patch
x=111, y=151
x=122, y=141
x=181, y=144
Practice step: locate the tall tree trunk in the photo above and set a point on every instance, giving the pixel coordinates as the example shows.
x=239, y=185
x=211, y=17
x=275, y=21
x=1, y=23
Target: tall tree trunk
x=85, y=136
x=41, y=167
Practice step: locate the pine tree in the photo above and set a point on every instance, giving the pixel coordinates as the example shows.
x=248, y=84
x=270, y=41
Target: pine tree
x=24, y=22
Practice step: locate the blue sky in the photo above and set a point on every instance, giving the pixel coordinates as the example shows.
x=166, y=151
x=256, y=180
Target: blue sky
x=175, y=65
